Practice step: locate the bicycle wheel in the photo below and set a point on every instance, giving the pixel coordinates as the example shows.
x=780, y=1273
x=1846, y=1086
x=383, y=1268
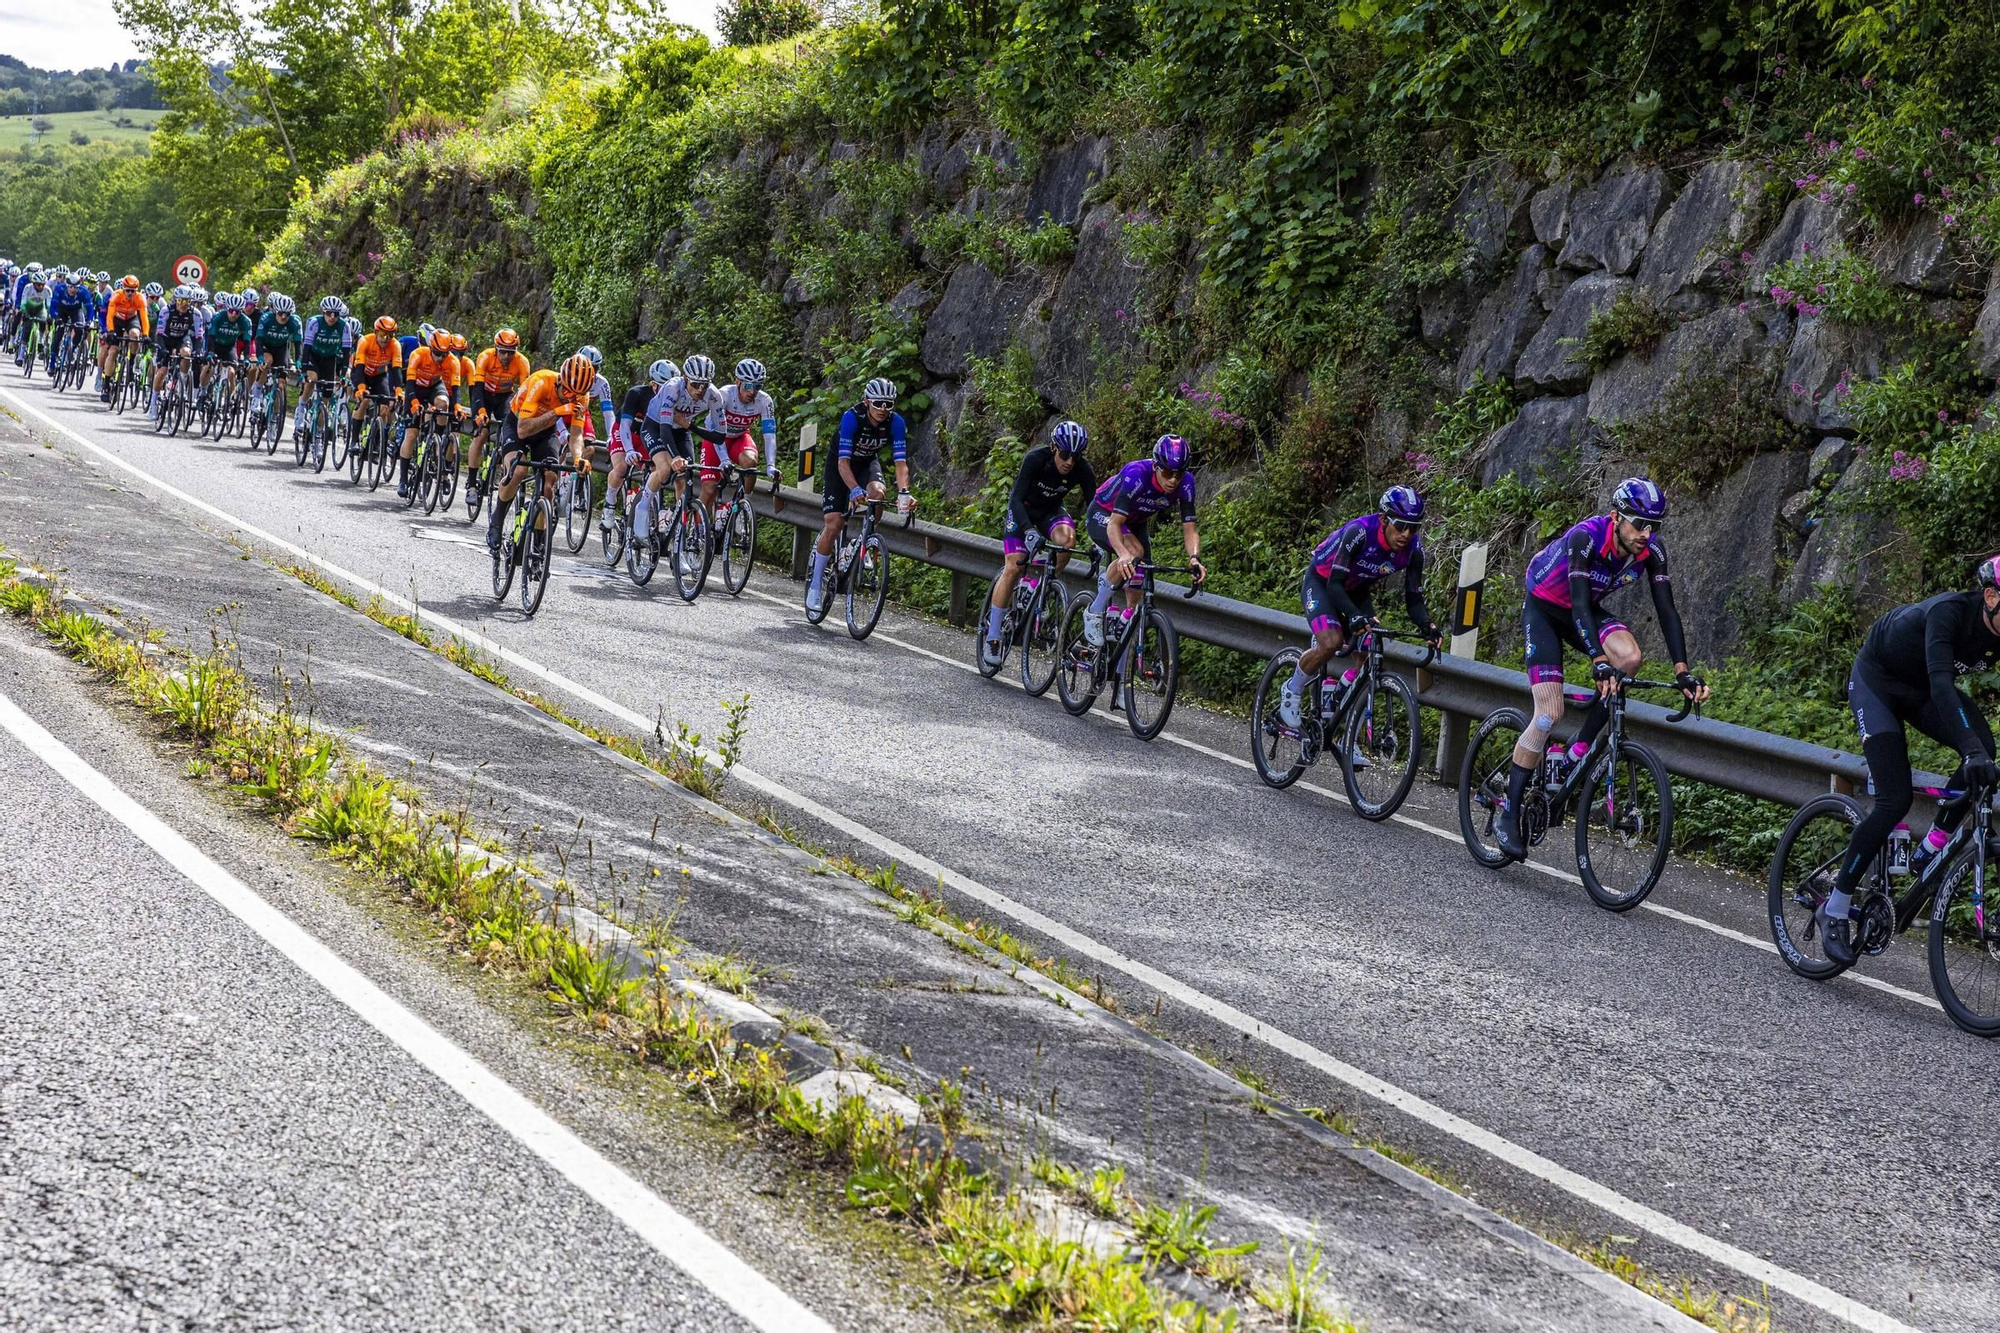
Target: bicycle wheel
x=447, y=474
x=504, y=560
x=1278, y=750
x=357, y=455
x=1802, y=874
x=612, y=536
x=1076, y=667
x=1965, y=947
x=274, y=417
x=867, y=587
x=430, y=472
x=739, y=544
x=578, y=503
x=1482, y=784
x=1041, y=636
x=537, y=554
x=1152, y=675
x=175, y=411
x=475, y=492
x=1624, y=823
x=379, y=452
x=302, y=437
x=1378, y=753
x=688, y=549
x=336, y=438
x=322, y=430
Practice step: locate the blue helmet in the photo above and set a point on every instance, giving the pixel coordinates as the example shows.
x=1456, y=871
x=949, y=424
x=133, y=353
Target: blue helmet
x=1068, y=438
x=1170, y=453
x=1403, y=504
x=1636, y=497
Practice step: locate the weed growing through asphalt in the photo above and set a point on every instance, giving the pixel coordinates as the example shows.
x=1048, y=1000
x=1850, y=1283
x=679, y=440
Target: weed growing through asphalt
x=1293, y=1294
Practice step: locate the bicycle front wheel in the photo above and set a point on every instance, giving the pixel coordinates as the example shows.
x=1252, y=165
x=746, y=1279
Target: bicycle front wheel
x=447, y=474
x=867, y=587
x=503, y=565
x=1802, y=874
x=1624, y=822
x=336, y=440
x=1965, y=946
x=688, y=549
x=537, y=554
x=1378, y=753
x=1076, y=668
x=1279, y=750
x=1041, y=636
x=739, y=545
x=1152, y=675
x=1482, y=784
x=576, y=510
x=429, y=476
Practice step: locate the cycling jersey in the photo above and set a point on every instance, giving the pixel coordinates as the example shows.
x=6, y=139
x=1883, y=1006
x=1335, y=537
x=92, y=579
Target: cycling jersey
x=733, y=417
x=1130, y=493
x=682, y=407
x=406, y=345
x=1579, y=569
x=128, y=306
x=326, y=338
x=226, y=330
x=862, y=439
x=33, y=300
x=375, y=353
x=542, y=393
x=72, y=303
x=1915, y=654
x=425, y=369
x=632, y=414
x=270, y=332
x=500, y=376
x=1036, y=502
x=175, y=324
x=1347, y=566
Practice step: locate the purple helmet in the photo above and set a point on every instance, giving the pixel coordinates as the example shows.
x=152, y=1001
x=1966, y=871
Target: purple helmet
x=1636, y=497
x=1170, y=453
x=1403, y=504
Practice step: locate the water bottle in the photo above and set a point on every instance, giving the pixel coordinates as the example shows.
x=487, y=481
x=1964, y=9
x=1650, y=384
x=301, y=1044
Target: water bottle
x=1899, y=849
x=1932, y=844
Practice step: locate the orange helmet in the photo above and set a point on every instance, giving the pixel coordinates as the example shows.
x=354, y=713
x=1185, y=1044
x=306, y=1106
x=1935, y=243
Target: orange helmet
x=507, y=340
x=440, y=341
x=577, y=375
x=129, y=283
x=385, y=326
x=458, y=342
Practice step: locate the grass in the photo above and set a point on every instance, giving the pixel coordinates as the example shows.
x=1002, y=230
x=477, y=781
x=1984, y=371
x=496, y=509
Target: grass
x=101, y=126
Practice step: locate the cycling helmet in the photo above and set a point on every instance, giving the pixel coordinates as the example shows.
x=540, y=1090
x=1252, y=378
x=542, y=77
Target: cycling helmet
x=154, y=289
x=184, y=293
x=281, y=303
x=1989, y=572
x=201, y=294
x=1403, y=504
x=344, y=312
x=750, y=373
x=129, y=282
x=592, y=355
x=1170, y=453
x=1068, y=437
x=661, y=371
x=577, y=375
x=329, y=305
x=251, y=296
x=695, y=370
x=439, y=341
x=425, y=330
x=879, y=392
x=506, y=340
x=384, y=325
x=352, y=325
x=34, y=266
x=62, y=273
x=458, y=342
x=230, y=301
x=103, y=276
x=1636, y=497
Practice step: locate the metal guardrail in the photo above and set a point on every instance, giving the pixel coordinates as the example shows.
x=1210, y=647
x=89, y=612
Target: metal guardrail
x=1740, y=759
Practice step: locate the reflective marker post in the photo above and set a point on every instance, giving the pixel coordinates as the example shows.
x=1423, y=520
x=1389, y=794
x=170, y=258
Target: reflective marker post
x=804, y=537
x=1468, y=606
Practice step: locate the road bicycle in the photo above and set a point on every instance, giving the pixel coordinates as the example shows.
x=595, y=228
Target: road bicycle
x=1964, y=947
x=859, y=570
x=1618, y=789
x=267, y=410
x=1033, y=619
x=171, y=404
x=372, y=457
x=576, y=500
x=1367, y=716
x=527, y=540
x=1141, y=662
x=434, y=461
x=480, y=485
x=734, y=532
x=66, y=357
x=33, y=334
x=127, y=384
x=320, y=425
x=615, y=531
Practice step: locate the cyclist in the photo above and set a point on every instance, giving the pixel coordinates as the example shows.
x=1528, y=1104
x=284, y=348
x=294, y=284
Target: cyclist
x=277, y=339
x=744, y=405
x=856, y=473
x=228, y=332
x=600, y=390
x=324, y=348
x=71, y=305
x=546, y=399
x=1906, y=675
x=430, y=383
x=688, y=395
x=1120, y=524
x=1035, y=514
x=31, y=307
x=377, y=369
x=633, y=445
x=497, y=373
x=1340, y=583
x=1568, y=581
x=173, y=336
x=127, y=306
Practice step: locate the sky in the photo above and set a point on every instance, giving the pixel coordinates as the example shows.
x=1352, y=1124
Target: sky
x=83, y=34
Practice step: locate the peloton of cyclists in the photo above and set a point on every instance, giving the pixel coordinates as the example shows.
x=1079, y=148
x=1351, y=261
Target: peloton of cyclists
x=1035, y=514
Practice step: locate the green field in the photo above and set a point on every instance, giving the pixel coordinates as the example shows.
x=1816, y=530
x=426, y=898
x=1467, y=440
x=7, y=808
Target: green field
x=101, y=126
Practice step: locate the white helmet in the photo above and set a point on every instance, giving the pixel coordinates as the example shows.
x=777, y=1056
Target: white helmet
x=750, y=373
x=661, y=371
x=698, y=370
x=880, y=391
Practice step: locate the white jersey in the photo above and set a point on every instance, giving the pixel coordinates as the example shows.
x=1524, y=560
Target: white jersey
x=683, y=406
x=731, y=416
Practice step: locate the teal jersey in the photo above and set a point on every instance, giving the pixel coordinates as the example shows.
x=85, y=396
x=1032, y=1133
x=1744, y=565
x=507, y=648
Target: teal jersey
x=327, y=339
x=228, y=328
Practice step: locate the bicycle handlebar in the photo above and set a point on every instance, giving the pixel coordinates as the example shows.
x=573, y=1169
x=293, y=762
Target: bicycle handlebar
x=1688, y=705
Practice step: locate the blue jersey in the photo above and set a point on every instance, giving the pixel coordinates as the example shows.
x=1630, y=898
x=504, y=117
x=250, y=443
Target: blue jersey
x=1130, y=493
x=1355, y=554
x=409, y=342
x=862, y=439
x=71, y=302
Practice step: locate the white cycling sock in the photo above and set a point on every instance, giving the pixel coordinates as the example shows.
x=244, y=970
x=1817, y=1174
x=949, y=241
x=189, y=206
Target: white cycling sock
x=1298, y=680
x=1103, y=598
x=993, y=615
x=819, y=568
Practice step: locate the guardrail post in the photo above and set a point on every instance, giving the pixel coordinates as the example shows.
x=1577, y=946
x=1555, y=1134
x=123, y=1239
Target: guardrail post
x=1454, y=729
x=961, y=593
x=802, y=549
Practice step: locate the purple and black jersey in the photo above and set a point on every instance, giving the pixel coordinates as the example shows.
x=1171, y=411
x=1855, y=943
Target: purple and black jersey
x=1130, y=492
x=1355, y=553
x=1579, y=569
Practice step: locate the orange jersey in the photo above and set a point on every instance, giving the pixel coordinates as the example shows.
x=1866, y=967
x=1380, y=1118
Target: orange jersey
x=425, y=368
x=542, y=393
x=464, y=368
x=126, y=305
x=497, y=377
x=374, y=353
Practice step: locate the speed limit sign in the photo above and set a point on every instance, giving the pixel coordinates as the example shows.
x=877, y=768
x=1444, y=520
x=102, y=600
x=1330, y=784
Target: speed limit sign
x=190, y=270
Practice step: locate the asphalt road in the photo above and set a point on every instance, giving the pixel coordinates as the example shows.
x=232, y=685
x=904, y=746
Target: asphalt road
x=1821, y=1128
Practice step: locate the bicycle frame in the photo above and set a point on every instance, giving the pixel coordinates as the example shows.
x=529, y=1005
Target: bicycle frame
x=1564, y=797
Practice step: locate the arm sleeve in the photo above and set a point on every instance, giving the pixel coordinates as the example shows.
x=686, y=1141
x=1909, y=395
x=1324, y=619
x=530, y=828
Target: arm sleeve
x=1343, y=601
x=1017, y=499
x=1941, y=628
x=1663, y=606
x=1581, y=611
x=1187, y=499
x=899, y=441
x=847, y=429
x=1413, y=591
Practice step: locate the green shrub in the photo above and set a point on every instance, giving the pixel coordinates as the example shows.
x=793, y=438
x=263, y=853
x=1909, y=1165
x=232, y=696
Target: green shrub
x=1706, y=424
x=1632, y=324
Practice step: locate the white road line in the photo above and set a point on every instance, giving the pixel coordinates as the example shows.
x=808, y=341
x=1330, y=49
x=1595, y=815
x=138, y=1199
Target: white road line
x=677, y=1239
x=1520, y=1158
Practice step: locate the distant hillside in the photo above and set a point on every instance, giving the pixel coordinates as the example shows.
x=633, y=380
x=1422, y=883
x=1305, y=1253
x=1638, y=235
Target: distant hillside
x=119, y=126
x=25, y=89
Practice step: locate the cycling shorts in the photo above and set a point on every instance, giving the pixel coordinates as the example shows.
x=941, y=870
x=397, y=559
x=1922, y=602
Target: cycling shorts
x=365, y=380
x=418, y=398
x=833, y=500
x=1012, y=533
x=121, y=325
x=278, y=353
x=540, y=448
x=1548, y=629
x=742, y=452
x=1100, y=535
x=166, y=344
x=326, y=365
x=223, y=355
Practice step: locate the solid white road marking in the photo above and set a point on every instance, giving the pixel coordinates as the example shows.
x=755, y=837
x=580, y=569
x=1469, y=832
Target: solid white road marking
x=676, y=1238
x=1417, y=1108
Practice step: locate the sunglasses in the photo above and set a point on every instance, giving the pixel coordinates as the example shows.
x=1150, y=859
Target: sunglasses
x=1398, y=525
x=1649, y=526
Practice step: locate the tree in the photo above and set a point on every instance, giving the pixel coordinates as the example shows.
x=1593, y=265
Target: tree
x=754, y=22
